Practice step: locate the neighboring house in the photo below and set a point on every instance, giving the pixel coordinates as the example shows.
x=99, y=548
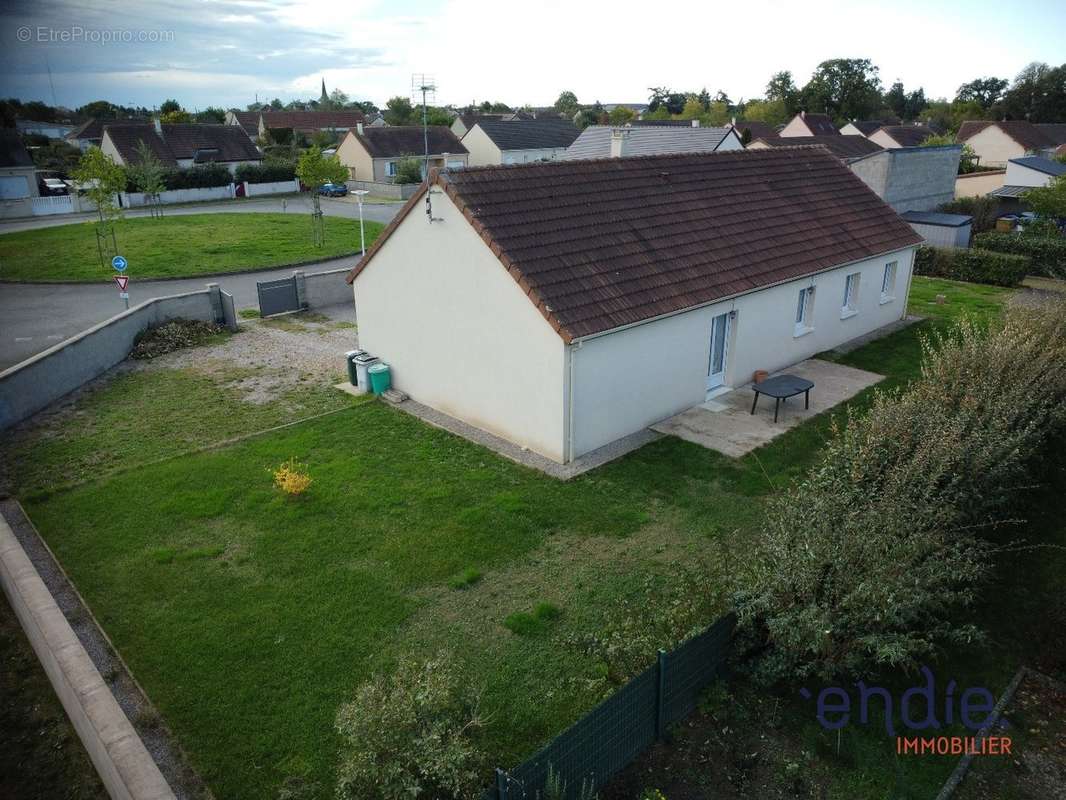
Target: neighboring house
x=91, y=132
x=910, y=178
x=845, y=148
x=308, y=123
x=865, y=127
x=462, y=124
x=181, y=145
x=664, y=123
x=374, y=154
x=603, y=141
x=1025, y=173
x=636, y=108
x=754, y=130
x=519, y=141
x=996, y=143
x=901, y=135
x=939, y=229
x=804, y=124
x=376, y=121
x=53, y=130
x=564, y=306
x=247, y=121
x=18, y=179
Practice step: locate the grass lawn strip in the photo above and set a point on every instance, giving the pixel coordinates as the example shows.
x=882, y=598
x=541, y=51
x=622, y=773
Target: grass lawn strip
x=249, y=618
x=177, y=246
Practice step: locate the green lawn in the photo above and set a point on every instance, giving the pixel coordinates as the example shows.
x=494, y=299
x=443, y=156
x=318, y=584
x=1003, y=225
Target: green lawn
x=250, y=618
x=176, y=246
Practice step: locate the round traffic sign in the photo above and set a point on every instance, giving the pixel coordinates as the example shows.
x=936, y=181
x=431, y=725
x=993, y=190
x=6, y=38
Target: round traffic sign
x=119, y=263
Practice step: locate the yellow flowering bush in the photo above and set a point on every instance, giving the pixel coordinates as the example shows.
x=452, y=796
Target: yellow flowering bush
x=292, y=477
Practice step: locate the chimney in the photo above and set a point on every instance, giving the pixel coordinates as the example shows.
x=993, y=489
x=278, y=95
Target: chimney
x=158, y=126
x=695, y=123
x=359, y=128
x=803, y=114
x=619, y=139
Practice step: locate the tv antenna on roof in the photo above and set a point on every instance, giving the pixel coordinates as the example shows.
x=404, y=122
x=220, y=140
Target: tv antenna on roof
x=424, y=91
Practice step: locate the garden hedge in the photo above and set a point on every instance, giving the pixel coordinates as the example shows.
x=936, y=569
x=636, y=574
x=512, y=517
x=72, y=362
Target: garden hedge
x=1048, y=253
x=266, y=173
x=972, y=265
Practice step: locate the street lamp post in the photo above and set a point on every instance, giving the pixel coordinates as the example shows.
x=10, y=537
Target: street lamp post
x=359, y=194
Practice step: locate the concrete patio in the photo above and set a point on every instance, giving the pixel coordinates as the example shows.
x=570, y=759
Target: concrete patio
x=726, y=424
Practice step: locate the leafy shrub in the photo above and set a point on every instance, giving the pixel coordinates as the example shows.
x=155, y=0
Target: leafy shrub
x=173, y=335
x=865, y=562
x=292, y=478
x=409, y=734
x=523, y=623
x=984, y=210
x=973, y=265
x=1048, y=253
x=202, y=176
x=409, y=170
x=270, y=172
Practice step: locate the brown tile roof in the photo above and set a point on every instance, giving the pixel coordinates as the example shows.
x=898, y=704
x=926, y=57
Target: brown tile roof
x=309, y=121
x=820, y=124
x=844, y=147
x=604, y=243
x=248, y=120
x=406, y=140
x=202, y=143
x=470, y=120
x=908, y=135
x=758, y=129
x=94, y=128
x=13, y=152
x=1021, y=131
x=1055, y=131
x=867, y=126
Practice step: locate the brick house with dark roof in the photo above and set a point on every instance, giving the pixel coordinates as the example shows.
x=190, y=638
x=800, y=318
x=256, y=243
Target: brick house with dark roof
x=562, y=306
x=181, y=144
x=374, y=154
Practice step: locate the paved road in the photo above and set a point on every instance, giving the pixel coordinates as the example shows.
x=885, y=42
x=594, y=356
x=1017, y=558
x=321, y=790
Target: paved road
x=291, y=204
x=34, y=317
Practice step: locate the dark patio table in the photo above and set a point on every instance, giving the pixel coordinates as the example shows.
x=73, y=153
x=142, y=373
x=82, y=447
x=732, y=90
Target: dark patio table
x=782, y=387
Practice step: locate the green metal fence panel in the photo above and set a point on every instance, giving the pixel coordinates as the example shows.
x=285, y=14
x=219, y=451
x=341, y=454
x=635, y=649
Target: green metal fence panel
x=614, y=733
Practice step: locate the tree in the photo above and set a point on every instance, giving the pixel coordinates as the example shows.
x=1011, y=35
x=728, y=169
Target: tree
x=211, y=114
x=1048, y=201
x=409, y=170
x=592, y=115
x=704, y=98
x=968, y=158
x=772, y=112
x=313, y=169
x=167, y=106
x=896, y=100
x=56, y=156
x=100, y=179
x=620, y=115
x=399, y=111
x=661, y=97
x=175, y=117
x=844, y=88
x=1038, y=94
x=986, y=92
x=276, y=104
x=717, y=115
x=99, y=109
x=566, y=104
x=437, y=116
x=915, y=105
x=781, y=87
x=693, y=109
x=146, y=174
x=337, y=99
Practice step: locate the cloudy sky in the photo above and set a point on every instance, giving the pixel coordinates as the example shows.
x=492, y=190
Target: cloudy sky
x=226, y=52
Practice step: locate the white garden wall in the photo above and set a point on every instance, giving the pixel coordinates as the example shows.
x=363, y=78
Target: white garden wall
x=136, y=199
x=276, y=187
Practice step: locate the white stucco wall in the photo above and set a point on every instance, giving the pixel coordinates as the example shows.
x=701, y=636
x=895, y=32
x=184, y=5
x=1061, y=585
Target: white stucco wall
x=626, y=380
x=1019, y=175
x=459, y=333
x=537, y=154
x=978, y=184
x=994, y=147
x=483, y=151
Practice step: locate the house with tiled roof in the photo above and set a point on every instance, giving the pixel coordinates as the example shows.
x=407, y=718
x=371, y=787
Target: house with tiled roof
x=901, y=135
x=374, y=154
x=804, y=124
x=277, y=124
x=181, y=145
x=843, y=147
x=18, y=178
x=464, y=122
x=519, y=141
x=563, y=306
x=1028, y=172
x=91, y=132
x=864, y=127
x=997, y=142
x=750, y=131
x=247, y=121
x=604, y=141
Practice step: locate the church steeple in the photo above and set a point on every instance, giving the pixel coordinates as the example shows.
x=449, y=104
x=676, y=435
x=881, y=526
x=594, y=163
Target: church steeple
x=325, y=97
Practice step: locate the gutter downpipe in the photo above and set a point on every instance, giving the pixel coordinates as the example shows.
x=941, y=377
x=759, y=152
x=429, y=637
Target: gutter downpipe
x=571, y=352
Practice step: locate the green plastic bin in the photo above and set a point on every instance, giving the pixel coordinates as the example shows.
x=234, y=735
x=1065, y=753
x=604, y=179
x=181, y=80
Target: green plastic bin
x=380, y=378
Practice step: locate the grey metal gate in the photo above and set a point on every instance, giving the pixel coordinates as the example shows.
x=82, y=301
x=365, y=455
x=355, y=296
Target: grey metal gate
x=277, y=297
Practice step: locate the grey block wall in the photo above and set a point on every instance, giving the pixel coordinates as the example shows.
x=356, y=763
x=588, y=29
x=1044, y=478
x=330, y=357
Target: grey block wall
x=326, y=288
x=38, y=381
x=911, y=178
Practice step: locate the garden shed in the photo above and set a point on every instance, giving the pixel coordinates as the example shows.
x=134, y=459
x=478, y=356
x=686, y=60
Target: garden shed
x=939, y=229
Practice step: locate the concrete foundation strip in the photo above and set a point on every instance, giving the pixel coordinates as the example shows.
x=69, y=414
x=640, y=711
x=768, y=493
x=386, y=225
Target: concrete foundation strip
x=125, y=766
x=963, y=766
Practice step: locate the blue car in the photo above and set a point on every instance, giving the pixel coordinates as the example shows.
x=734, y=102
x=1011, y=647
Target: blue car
x=333, y=189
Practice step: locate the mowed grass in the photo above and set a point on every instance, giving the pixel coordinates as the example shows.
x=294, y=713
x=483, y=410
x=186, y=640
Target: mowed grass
x=250, y=617
x=177, y=246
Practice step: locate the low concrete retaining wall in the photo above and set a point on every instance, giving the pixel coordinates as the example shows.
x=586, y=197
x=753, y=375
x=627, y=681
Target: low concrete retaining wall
x=125, y=765
x=978, y=184
x=323, y=288
x=277, y=187
x=42, y=379
x=395, y=191
x=136, y=199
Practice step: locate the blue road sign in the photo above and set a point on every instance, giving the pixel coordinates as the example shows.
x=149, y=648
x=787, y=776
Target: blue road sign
x=119, y=263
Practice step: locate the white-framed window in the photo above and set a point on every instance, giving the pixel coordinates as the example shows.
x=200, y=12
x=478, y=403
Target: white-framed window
x=888, y=283
x=390, y=169
x=851, y=296
x=805, y=311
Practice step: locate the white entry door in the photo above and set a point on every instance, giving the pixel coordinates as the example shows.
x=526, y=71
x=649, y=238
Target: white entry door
x=719, y=351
